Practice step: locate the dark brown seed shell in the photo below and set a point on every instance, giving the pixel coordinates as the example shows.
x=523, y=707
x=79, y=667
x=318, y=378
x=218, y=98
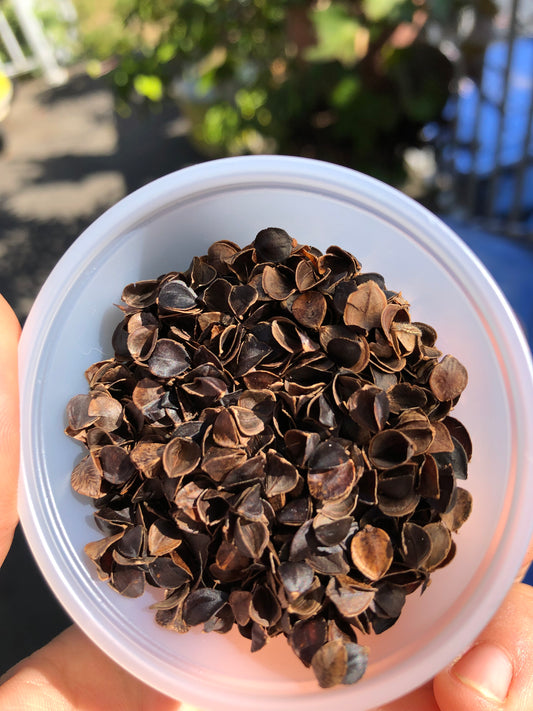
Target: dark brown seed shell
x=332, y=484
x=202, y=604
x=448, y=379
x=390, y=448
x=441, y=543
x=140, y=294
x=128, y=581
x=86, y=478
x=273, y=245
x=331, y=531
x=251, y=537
x=181, y=456
x=219, y=253
x=372, y=552
x=307, y=637
x=364, y=306
x=168, y=359
x=461, y=510
x=416, y=544
x=330, y=663
x=310, y=309
x=350, y=601
x=176, y=296
x=166, y=574
x=117, y=467
x=162, y=538
x=459, y=432
x=107, y=410
x=78, y=412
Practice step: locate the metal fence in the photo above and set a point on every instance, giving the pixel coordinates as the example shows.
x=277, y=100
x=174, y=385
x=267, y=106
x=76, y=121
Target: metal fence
x=486, y=152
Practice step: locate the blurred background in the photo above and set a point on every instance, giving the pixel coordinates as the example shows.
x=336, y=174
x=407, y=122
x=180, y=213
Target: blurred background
x=434, y=97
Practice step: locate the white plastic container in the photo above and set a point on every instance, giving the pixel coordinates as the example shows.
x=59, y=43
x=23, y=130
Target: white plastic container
x=160, y=228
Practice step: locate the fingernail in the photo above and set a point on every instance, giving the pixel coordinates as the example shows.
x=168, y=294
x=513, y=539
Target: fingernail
x=487, y=669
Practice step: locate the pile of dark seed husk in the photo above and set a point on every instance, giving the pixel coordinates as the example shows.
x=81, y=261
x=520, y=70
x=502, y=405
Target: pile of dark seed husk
x=272, y=446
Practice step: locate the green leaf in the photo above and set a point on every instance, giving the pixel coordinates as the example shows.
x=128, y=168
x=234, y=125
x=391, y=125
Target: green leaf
x=165, y=52
x=93, y=68
x=335, y=31
x=249, y=101
x=345, y=91
x=378, y=10
x=220, y=124
x=149, y=86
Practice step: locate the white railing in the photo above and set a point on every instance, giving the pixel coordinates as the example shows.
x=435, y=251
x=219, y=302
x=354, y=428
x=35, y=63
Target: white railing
x=36, y=52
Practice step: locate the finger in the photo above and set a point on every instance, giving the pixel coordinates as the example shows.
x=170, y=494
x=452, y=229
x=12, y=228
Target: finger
x=71, y=673
x=496, y=673
x=9, y=425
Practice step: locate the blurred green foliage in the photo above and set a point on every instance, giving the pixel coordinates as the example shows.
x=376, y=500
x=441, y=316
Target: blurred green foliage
x=351, y=81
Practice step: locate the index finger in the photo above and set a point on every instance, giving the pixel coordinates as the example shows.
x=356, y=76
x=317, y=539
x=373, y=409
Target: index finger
x=9, y=425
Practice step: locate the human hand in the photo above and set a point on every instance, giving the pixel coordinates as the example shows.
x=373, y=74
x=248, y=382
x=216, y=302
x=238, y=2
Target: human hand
x=72, y=673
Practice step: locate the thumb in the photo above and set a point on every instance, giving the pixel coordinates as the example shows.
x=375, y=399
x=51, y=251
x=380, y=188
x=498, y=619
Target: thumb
x=496, y=674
